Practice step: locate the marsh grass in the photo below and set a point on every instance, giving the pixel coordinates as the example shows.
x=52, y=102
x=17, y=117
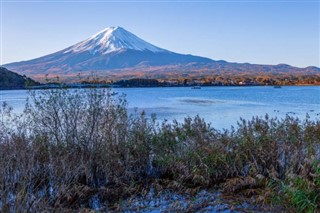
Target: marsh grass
x=72, y=147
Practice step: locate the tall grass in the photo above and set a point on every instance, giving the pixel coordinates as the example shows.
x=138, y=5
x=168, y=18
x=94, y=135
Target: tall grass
x=70, y=147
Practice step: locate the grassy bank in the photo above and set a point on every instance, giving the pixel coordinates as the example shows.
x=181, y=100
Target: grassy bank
x=72, y=145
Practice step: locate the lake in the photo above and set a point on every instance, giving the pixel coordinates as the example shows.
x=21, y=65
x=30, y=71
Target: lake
x=222, y=106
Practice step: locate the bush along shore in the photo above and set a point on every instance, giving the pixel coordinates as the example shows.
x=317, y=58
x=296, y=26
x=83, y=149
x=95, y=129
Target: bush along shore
x=72, y=150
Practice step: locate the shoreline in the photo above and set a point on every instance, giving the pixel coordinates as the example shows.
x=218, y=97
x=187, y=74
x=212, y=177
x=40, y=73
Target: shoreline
x=162, y=86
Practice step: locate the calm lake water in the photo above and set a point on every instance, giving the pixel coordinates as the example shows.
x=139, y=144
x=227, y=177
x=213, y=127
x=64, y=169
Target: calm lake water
x=222, y=106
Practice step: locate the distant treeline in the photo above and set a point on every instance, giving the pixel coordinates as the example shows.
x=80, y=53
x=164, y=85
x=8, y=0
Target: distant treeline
x=140, y=82
x=11, y=80
x=216, y=81
x=182, y=82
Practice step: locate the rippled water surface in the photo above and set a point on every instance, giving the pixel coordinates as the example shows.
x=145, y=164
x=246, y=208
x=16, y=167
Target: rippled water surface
x=222, y=106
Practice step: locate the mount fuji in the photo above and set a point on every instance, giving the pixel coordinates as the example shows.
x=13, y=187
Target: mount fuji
x=116, y=53
x=112, y=48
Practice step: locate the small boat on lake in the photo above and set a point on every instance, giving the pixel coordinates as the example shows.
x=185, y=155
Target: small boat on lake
x=196, y=87
x=277, y=86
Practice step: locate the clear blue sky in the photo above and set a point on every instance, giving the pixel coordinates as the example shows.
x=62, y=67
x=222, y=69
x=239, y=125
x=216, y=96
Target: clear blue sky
x=264, y=32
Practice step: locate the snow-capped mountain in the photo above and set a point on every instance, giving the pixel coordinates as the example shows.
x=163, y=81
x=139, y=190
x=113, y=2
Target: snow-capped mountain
x=115, y=52
x=112, y=48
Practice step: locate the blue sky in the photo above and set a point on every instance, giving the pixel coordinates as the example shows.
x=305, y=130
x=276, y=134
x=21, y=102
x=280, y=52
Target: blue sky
x=263, y=32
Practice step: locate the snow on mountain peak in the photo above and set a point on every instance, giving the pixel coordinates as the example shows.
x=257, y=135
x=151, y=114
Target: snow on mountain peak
x=112, y=39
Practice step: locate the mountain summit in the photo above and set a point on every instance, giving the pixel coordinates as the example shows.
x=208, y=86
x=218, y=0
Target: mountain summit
x=112, y=39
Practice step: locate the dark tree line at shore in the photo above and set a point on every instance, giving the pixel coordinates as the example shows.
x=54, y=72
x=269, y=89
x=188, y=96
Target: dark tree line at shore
x=11, y=80
x=215, y=80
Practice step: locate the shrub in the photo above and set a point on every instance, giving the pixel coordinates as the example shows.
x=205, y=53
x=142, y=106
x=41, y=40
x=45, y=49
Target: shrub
x=72, y=146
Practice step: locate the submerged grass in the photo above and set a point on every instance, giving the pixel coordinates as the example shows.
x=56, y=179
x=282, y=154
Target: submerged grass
x=72, y=147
